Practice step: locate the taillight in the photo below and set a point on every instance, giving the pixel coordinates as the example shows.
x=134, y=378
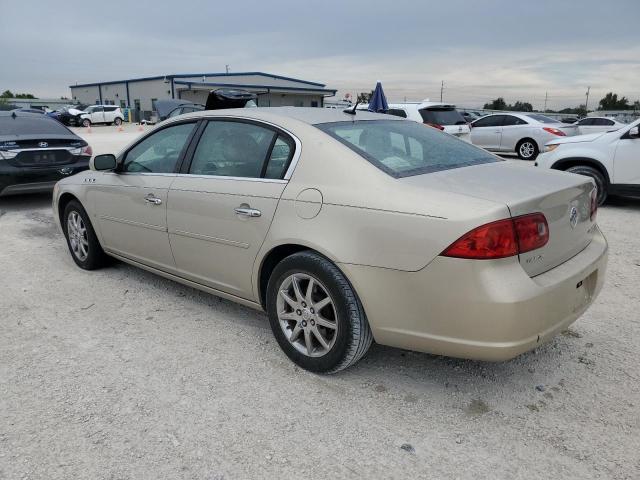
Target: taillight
x=555, y=131
x=504, y=238
x=434, y=125
x=594, y=204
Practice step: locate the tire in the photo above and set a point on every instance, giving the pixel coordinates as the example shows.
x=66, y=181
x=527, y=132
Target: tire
x=601, y=181
x=348, y=338
x=527, y=149
x=86, y=122
x=117, y=122
x=83, y=244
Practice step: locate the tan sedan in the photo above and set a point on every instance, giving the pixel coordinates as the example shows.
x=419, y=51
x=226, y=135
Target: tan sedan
x=346, y=228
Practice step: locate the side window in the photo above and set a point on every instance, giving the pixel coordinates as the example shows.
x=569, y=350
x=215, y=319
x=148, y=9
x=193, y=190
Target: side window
x=280, y=157
x=586, y=122
x=232, y=149
x=398, y=112
x=490, y=121
x=510, y=120
x=158, y=153
x=603, y=122
x=110, y=109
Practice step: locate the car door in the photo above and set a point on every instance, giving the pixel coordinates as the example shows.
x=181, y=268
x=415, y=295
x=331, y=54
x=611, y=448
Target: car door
x=487, y=132
x=586, y=126
x=220, y=210
x=109, y=114
x=97, y=114
x=131, y=204
x=626, y=166
x=513, y=130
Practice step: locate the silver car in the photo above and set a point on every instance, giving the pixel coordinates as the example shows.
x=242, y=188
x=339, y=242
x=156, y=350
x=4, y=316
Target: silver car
x=346, y=228
x=521, y=133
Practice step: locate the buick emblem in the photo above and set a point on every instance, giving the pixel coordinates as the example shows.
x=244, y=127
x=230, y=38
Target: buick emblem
x=43, y=144
x=573, y=217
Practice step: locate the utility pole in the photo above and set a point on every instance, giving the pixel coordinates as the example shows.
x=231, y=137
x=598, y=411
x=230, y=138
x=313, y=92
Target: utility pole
x=227, y=68
x=441, y=90
x=546, y=96
x=586, y=104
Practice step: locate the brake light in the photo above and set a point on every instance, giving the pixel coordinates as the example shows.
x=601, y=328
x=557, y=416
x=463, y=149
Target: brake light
x=594, y=204
x=504, y=238
x=554, y=131
x=434, y=125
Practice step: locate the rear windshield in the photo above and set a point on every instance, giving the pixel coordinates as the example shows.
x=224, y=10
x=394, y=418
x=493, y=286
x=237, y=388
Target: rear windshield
x=442, y=116
x=31, y=125
x=542, y=118
x=402, y=148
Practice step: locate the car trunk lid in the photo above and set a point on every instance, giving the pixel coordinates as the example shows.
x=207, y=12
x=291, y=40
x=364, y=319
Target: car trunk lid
x=563, y=198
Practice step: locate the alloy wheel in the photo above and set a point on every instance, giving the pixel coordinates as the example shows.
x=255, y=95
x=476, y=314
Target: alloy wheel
x=308, y=319
x=527, y=149
x=78, y=239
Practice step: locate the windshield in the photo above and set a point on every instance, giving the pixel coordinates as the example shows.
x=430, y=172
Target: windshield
x=403, y=148
x=542, y=118
x=442, y=116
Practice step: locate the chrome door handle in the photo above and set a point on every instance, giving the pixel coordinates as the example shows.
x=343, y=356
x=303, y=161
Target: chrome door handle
x=151, y=198
x=248, y=212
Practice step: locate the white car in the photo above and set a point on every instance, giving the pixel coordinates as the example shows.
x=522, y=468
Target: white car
x=597, y=125
x=442, y=116
x=521, y=133
x=102, y=114
x=612, y=159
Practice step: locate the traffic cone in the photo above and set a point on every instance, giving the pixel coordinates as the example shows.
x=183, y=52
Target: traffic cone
x=141, y=127
x=89, y=128
x=120, y=128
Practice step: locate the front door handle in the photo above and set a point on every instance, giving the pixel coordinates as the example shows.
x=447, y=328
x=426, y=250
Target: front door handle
x=151, y=198
x=247, y=211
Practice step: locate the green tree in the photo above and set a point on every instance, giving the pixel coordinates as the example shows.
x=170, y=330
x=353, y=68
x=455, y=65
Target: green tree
x=636, y=105
x=364, y=97
x=497, y=104
x=611, y=102
x=521, y=107
x=10, y=94
x=6, y=94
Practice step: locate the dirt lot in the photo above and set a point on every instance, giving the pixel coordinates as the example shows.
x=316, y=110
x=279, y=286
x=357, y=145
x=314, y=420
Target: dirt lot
x=120, y=374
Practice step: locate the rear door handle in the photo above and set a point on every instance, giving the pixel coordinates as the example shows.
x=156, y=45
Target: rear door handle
x=151, y=198
x=248, y=212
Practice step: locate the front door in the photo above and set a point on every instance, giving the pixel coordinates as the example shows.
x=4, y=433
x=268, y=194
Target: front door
x=131, y=204
x=626, y=166
x=220, y=211
x=487, y=131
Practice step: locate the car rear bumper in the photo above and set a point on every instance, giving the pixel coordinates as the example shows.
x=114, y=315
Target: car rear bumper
x=16, y=180
x=484, y=310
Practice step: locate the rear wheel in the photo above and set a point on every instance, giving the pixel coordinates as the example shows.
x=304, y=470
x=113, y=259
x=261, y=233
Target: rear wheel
x=527, y=149
x=86, y=122
x=81, y=238
x=315, y=314
x=601, y=182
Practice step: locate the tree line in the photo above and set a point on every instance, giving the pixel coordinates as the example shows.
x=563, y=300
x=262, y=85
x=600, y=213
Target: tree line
x=609, y=102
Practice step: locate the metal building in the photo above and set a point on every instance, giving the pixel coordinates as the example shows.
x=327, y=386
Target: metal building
x=141, y=93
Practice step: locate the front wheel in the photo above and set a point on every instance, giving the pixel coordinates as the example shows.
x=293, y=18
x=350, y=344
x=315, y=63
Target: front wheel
x=81, y=238
x=598, y=178
x=315, y=314
x=86, y=122
x=527, y=149
x=117, y=121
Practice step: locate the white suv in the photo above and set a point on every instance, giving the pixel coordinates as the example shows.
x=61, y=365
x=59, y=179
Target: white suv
x=101, y=114
x=612, y=159
x=442, y=116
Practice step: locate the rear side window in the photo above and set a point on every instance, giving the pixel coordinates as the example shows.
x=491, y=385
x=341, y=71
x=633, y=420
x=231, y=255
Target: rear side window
x=404, y=148
x=442, y=116
x=232, y=149
x=510, y=120
x=31, y=125
x=542, y=118
x=490, y=121
x=398, y=112
x=110, y=109
x=603, y=122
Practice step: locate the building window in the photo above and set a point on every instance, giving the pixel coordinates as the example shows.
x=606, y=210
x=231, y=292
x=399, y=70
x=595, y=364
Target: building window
x=97, y=101
x=136, y=104
x=123, y=104
x=314, y=103
x=153, y=104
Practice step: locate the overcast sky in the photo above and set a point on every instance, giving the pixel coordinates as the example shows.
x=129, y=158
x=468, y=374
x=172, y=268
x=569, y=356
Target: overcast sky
x=481, y=49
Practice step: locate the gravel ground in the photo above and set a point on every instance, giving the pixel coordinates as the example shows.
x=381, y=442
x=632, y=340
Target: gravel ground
x=120, y=374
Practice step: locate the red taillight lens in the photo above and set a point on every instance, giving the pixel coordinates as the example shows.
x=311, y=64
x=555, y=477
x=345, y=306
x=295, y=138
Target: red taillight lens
x=594, y=204
x=555, y=131
x=87, y=150
x=532, y=231
x=504, y=238
x=434, y=125
x=493, y=240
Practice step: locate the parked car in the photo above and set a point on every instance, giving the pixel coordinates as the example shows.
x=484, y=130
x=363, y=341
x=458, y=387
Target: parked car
x=442, y=116
x=521, y=133
x=346, y=228
x=470, y=116
x=597, y=125
x=174, y=107
x=612, y=159
x=71, y=115
x=101, y=114
x=36, y=151
x=222, y=98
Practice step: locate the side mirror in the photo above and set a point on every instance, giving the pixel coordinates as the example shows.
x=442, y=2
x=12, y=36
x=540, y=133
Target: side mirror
x=634, y=133
x=103, y=162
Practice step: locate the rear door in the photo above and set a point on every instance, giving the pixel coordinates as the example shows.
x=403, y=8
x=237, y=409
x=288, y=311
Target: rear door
x=487, y=132
x=97, y=114
x=109, y=114
x=221, y=206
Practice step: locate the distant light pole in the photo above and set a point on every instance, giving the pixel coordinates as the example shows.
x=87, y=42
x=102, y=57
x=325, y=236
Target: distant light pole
x=546, y=96
x=227, y=69
x=586, y=104
x=441, y=90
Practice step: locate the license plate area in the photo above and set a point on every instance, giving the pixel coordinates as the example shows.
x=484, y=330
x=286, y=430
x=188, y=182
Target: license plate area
x=584, y=291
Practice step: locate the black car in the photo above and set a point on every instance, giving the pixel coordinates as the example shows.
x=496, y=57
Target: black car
x=36, y=151
x=71, y=115
x=173, y=107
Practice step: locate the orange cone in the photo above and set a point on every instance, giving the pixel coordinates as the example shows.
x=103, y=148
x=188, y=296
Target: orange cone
x=141, y=127
x=88, y=128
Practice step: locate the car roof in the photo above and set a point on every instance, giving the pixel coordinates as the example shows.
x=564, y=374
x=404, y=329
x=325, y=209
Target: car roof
x=310, y=115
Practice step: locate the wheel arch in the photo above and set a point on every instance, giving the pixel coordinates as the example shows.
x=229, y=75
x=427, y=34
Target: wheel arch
x=63, y=201
x=523, y=139
x=569, y=162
